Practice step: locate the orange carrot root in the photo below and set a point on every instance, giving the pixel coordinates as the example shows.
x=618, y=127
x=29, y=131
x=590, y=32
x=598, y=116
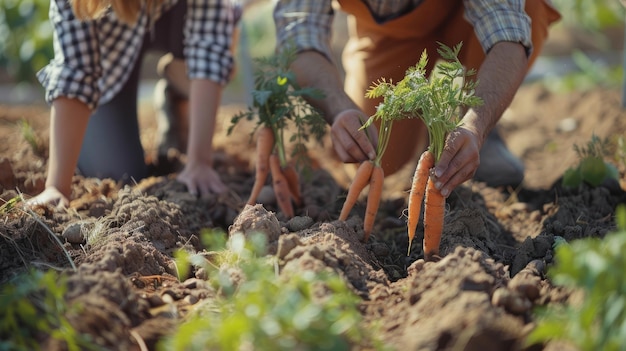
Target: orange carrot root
x=434, y=205
x=361, y=179
x=293, y=180
x=373, y=200
x=281, y=187
x=416, y=196
x=264, y=146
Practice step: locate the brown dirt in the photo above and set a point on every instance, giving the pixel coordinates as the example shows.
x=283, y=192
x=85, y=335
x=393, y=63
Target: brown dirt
x=496, y=245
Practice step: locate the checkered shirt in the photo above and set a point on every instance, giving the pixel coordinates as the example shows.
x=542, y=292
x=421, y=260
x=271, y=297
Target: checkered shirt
x=93, y=59
x=307, y=23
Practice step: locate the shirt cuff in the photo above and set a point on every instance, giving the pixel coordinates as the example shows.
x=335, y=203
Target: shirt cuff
x=503, y=24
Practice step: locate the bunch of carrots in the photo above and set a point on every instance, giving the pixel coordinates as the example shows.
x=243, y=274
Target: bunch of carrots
x=439, y=102
x=277, y=101
x=369, y=173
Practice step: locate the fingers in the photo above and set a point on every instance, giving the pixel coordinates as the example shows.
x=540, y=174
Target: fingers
x=458, y=162
x=350, y=142
x=50, y=196
x=202, y=182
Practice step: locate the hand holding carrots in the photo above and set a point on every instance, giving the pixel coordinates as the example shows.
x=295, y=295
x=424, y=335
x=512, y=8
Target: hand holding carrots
x=459, y=160
x=277, y=101
x=372, y=174
x=351, y=143
x=437, y=101
x=440, y=101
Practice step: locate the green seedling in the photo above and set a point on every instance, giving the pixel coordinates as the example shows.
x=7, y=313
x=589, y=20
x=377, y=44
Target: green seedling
x=592, y=167
x=594, y=267
x=258, y=307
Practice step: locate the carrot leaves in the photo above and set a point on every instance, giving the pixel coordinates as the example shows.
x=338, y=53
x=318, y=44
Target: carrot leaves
x=438, y=100
x=279, y=102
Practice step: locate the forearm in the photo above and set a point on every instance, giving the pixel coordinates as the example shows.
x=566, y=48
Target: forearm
x=204, y=100
x=68, y=122
x=314, y=70
x=500, y=76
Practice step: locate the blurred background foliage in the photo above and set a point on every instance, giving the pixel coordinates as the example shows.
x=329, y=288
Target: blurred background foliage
x=25, y=38
x=26, y=35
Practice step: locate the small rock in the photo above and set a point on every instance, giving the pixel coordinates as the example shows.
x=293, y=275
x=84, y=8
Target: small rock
x=190, y=299
x=299, y=223
x=201, y=273
x=511, y=301
x=568, y=125
x=76, y=232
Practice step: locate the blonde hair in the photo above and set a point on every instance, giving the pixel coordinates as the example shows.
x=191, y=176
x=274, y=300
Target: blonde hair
x=126, y=10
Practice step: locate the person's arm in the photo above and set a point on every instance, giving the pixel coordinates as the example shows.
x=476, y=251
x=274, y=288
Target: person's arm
x=68, y=122
x=499, y=77
x=314, y=70
x=307, y=24
x=198, y=174
x=209, y=41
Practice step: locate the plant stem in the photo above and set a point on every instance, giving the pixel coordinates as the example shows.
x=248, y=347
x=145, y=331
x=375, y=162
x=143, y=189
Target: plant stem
x=384, y=134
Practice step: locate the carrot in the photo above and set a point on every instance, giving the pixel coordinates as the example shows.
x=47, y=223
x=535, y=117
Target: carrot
x=434, y=204
x=418, y=189
x=281, y=187
x=373, y=200
x=264, y=145
x=293, y=180
x=361, y=179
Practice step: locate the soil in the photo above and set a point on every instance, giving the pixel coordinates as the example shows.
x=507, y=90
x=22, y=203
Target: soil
x=115, y=243
x=496, y=246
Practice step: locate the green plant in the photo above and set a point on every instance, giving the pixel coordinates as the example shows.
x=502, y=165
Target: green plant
x=592, y=167
x=259, y=308
x=592, y=15
x=25, y=37
x=278, y=102
x=439, y=102
x=33, y=309
x=588, y=75
x=596, y=267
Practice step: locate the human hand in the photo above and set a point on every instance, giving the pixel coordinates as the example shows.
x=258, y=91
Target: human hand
x=202, y=179
x=51, y=196
x=351, y=144
x=459, y=160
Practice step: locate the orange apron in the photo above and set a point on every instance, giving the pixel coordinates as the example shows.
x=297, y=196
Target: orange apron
x=375, y=51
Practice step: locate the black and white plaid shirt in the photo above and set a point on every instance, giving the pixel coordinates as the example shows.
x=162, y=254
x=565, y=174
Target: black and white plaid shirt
x=93, y=59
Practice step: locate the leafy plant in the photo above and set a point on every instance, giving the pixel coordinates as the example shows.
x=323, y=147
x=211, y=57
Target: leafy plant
x=278, y=103
x=33, y=308
x=439, y=102
x=25, y=37
x=264, y=310
x=595, y=266
x=592, y=15
x=592, y=167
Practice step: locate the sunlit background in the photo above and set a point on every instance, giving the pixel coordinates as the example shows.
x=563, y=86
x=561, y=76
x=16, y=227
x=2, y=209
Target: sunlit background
x=584, y=50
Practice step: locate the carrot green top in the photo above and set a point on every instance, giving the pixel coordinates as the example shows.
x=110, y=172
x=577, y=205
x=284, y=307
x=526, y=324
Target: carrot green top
x=438, y=100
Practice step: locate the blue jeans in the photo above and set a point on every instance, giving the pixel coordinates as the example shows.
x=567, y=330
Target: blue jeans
x=112, y=146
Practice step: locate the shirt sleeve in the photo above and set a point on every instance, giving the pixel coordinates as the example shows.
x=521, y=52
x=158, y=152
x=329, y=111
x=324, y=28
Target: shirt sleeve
x=75, y=69
x=305, y=24
x=496, y=21
x=209, y=31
